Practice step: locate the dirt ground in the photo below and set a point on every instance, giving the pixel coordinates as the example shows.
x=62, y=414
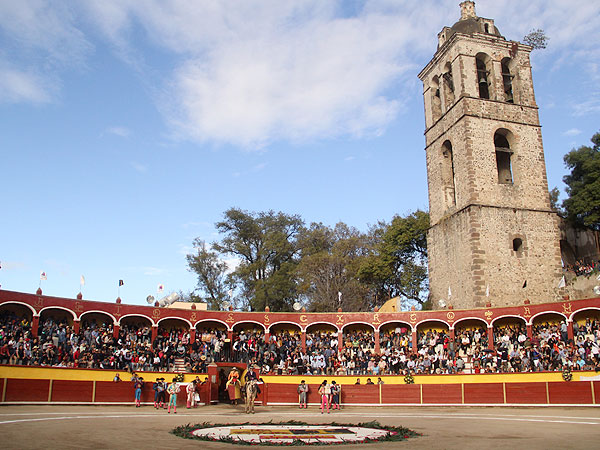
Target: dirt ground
x=127, y=427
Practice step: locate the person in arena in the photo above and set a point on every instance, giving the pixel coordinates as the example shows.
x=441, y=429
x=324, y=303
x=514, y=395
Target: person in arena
x=336, y=391
x=138, y=385
x=325, y=393
x=303, y=394
x=173, y=390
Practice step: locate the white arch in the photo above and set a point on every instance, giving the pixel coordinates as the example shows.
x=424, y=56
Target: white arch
x=31, y=308
x=213, y=320
x=136, y=315
x=321, y=323
x=115, y=321
x=250, y=321
x=358, y=323
x=587, y=308
x=530, y=322
x=469, y=318
x=512, y=316
x=59, y=307
x=395, y=321
x=431, y=320
x=176, y=318
x=284, y=321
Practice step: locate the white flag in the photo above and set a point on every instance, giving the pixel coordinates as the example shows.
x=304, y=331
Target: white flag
x=562, y=283
x=487, y=291
x=339, y=297
x=82, y=280
x=161, y=288
x=43, y=276
x=449, y=292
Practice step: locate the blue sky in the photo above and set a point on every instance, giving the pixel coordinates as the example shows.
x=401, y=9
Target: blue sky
x=127, y=127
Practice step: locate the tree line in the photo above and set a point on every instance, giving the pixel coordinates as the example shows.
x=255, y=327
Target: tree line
x=282, y=261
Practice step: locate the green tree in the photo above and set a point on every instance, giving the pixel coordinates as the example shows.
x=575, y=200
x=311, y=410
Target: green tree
x=583, y=185
x=212, y=276
x=536, y=38
x=266, y=244
x=554, y=204
x=327, y=272
x=397, y=265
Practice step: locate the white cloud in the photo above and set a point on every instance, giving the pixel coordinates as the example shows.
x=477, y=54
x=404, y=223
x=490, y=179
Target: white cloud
x=259, y=167
x=119, y=131
x=40, y=39
x=196, y=225
x=139, y=167
x=349, y=158
x=259, y=71
x=152, y=271
x=251, y=72
x=572, y=132
x=12, y=265
x=17, y=86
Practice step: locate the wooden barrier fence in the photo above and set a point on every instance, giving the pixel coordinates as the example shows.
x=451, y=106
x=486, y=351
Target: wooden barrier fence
x=574, y=393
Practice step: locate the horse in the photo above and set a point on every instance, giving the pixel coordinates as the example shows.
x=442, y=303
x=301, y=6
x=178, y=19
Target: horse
x=250, y=390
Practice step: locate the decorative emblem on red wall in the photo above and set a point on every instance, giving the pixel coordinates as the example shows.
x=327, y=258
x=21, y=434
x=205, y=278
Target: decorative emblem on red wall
x=376, y=320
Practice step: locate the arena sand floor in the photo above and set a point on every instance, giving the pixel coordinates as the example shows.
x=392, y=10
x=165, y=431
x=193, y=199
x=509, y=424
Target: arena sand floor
x=127, y=427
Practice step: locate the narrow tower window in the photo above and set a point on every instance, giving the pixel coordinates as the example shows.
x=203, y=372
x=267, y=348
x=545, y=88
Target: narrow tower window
x=448, y=87
x=436, y=102
x=503, y=158
x=483, y=76
x=517, y=244
x=507, y=81
x=448, y=175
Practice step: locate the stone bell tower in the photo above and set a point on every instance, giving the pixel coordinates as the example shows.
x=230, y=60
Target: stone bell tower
x=493, y=237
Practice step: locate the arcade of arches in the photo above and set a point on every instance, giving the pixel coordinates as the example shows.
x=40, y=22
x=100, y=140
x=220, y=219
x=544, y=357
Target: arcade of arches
x=42, y=330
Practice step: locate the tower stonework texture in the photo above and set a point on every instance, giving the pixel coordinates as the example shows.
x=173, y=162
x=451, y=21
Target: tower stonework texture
x=493, y=236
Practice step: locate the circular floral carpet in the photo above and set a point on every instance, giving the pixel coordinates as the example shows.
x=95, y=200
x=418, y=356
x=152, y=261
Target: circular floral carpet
x=294, y=433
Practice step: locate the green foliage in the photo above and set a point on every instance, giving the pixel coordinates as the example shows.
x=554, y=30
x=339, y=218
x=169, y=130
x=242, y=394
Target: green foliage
x=281, y=261
x=583, y=185
x=328, y=266
x=212, y=275
x=397, y=265
x=266, y=244
x=536, y=39
x=554, y=205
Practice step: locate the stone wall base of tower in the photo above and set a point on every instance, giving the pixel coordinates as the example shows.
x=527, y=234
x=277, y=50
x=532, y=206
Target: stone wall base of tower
x=501, y=256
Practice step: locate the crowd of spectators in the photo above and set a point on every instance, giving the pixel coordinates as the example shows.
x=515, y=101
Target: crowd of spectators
x=581, y=267
x=94, y=346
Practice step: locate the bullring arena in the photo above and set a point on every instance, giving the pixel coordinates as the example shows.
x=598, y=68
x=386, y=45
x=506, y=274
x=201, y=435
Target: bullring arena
x=71, y=401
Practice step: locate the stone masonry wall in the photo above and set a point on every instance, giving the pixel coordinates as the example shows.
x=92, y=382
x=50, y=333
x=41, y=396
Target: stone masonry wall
x=473, y=249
